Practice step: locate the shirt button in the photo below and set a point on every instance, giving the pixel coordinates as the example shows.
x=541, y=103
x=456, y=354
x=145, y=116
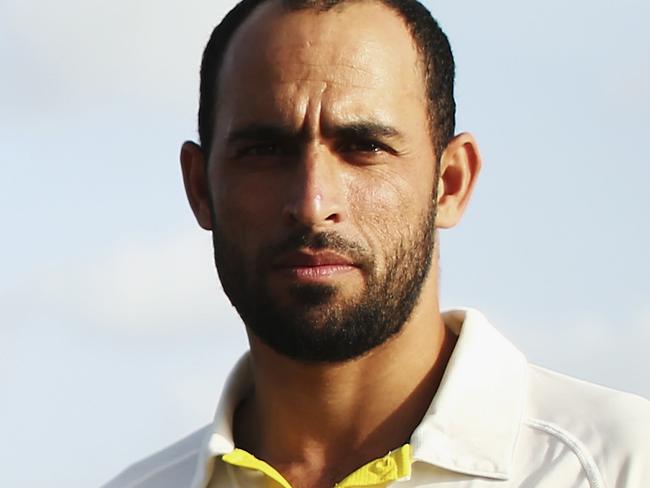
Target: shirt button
x=383, y=466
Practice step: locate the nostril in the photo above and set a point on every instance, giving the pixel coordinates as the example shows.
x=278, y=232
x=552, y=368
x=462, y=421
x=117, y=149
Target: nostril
x=334, y=218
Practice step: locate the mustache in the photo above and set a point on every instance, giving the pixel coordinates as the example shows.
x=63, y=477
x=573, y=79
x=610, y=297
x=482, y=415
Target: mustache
x=321, y=241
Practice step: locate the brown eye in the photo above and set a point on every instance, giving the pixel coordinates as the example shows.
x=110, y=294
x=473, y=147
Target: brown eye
x=266, y=149
x=361, y=146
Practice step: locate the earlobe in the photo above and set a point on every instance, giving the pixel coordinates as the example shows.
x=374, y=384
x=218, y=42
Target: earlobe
x=196, y=182
x=459, y=168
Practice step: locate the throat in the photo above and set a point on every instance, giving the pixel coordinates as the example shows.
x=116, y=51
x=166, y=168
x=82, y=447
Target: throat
x=317, y=423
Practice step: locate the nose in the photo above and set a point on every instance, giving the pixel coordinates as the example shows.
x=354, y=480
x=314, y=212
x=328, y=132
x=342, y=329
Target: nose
x=315, y=195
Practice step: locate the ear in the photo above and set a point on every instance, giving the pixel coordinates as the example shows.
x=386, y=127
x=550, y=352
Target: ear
x=459, y=167
x=196, y=183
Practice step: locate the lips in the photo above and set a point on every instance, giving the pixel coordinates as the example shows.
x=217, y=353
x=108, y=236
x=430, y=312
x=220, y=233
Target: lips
x=308, y=266
x=306, y=259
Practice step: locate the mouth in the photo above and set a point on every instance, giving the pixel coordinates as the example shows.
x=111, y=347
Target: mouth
x=313, y=266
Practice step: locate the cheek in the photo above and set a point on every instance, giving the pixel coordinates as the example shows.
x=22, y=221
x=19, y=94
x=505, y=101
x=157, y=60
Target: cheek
x=244, y=210
x=385, y=207
x=388, y=193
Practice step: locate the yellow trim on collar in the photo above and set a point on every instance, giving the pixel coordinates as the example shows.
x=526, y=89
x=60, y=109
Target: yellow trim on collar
x=393, y=466
x=243, y=459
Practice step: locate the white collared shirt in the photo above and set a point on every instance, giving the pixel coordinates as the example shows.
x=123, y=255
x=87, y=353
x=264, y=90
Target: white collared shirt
x=495, y=421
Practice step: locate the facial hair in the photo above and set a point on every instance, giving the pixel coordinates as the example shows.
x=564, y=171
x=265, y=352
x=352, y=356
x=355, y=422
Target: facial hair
x=317, y=328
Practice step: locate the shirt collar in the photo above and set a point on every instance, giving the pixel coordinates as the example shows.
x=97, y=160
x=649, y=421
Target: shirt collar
x=220, y=438
x=471, y=426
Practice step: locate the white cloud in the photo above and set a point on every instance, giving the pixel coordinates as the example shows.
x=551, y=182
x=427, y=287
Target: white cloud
x=613, y=354
x=140, y=288
x=103, y=50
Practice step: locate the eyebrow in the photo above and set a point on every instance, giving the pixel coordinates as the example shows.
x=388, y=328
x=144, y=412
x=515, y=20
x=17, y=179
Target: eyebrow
x=353, y=130
x=256, y=132
x=366, y=130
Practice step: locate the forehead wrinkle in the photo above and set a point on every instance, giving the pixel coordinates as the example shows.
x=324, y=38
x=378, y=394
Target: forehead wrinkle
x=314, y=112
x=327, y=73
x=329, y=82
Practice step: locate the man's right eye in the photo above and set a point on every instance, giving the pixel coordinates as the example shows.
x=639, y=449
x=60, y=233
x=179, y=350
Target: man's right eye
x=262, y=149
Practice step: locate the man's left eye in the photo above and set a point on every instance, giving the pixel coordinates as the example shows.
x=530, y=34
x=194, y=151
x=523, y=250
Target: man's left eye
x=362, y=146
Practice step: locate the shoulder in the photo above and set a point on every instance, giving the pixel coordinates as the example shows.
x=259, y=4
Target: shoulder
x=171, y=467
x=608, y=430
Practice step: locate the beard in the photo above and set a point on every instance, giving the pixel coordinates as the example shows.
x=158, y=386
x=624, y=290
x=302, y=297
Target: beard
x=315, y=327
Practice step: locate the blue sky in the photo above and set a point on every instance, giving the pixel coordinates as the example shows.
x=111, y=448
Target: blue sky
x=115, y=336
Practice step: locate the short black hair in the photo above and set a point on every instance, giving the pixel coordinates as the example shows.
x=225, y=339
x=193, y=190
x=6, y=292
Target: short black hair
x=431, y=42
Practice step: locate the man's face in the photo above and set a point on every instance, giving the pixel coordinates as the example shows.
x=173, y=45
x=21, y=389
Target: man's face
x=322, y=179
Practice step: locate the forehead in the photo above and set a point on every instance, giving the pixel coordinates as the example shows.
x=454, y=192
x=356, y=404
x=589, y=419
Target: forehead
x=351, y=28
x=348, y=50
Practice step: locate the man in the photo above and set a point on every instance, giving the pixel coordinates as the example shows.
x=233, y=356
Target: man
x=327, y=161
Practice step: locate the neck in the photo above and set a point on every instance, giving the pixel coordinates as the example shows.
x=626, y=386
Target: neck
x=322, y=421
